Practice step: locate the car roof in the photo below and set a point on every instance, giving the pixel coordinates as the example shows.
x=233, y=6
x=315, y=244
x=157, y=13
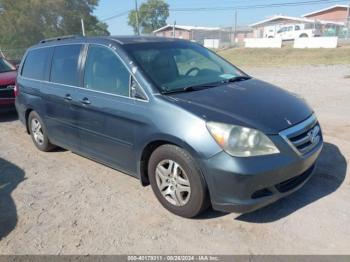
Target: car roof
x=122, y=40
x=141, y=39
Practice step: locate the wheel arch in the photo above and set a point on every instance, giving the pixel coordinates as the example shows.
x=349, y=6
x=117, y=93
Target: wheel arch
x=26, y=117
x=151, y=146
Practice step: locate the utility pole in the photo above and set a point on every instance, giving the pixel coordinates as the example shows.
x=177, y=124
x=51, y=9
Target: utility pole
x=83, y=26
x=235, y=28
x=174, y=25
x=348, y=22
x=137, y=18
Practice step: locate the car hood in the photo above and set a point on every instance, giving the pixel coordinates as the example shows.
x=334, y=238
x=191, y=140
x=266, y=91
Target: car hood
x=8, y=78
x=251, y=103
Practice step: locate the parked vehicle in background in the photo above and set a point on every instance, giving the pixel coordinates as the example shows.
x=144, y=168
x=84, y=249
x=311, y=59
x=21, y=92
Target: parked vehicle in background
x=292, y=31
x=173, y=114
x=8, y=75
x=15, y=62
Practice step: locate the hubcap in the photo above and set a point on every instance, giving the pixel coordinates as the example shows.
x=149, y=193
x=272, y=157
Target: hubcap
x=37, y=131
x=173, y=182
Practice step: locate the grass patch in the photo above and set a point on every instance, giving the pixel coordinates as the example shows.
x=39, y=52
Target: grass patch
x=286, y=56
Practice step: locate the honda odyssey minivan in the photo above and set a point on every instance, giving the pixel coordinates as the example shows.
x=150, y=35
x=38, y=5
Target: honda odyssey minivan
x=172, y=114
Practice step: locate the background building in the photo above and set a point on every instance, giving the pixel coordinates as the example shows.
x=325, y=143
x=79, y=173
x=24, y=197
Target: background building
x=196, y=33
x=336, y=13
x=331, y=21
x=262, y=28
x=214, y=37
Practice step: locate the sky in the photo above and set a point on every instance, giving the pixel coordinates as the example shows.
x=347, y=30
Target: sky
x=119, y=26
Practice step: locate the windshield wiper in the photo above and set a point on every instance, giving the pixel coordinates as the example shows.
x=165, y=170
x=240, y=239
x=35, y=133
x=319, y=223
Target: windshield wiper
x=238, y=78
x=193, y=88
x=205, y=86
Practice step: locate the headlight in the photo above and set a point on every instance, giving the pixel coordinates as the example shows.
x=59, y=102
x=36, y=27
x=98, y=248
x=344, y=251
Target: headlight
x=241, y=141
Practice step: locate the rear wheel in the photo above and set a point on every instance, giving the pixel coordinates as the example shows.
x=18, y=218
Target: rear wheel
x=303, y=35
x=177, y=183
x=38, y=132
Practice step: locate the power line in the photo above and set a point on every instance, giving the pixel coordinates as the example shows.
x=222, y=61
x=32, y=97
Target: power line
x=256, y=6
x=238, y=7
x=116, y=16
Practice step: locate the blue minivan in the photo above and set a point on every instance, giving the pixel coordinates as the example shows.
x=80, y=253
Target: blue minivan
x=172, y=114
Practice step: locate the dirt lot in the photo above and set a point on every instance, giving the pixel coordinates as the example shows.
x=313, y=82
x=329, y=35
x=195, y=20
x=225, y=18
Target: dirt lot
x=286, y=56
x=61, y=203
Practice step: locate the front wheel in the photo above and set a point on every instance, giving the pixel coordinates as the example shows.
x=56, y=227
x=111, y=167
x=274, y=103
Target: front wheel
x=38, y=132
x=176, y=181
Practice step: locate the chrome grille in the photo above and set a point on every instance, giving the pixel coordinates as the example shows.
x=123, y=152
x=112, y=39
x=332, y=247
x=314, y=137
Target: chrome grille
x=305, y=136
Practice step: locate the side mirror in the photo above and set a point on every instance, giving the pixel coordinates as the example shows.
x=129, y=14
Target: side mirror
x=17, y=67
x=136, y=91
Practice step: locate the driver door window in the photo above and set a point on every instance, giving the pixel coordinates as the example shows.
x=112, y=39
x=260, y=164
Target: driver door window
x=104, y=72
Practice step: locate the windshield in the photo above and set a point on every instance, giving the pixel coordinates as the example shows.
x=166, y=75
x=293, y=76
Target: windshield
x=6, y=66
x=179, y=65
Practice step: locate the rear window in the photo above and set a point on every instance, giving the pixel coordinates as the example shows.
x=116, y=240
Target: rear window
x=36, y=64
x=64, y=68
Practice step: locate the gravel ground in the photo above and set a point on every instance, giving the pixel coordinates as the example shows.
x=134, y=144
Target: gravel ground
x=61, y=203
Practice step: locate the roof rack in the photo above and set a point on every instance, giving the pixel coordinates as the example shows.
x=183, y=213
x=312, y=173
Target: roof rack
x=58, y=38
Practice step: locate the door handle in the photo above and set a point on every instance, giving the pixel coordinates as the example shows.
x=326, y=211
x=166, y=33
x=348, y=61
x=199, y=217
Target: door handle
x=68, y=97
x=85, y=101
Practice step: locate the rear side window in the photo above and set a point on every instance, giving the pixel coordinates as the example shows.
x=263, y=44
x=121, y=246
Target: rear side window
x=36, y=64
x=64, y=68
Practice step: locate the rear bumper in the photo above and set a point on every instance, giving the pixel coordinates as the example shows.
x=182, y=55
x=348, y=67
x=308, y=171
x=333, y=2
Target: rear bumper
x=242, y=185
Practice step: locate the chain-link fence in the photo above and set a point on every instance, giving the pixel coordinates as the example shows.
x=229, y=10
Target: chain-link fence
x=339, y=27
x=284, y=27
x=208, y=36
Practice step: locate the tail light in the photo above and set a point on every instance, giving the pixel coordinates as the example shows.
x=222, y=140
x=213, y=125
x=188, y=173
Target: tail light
x=16, y=90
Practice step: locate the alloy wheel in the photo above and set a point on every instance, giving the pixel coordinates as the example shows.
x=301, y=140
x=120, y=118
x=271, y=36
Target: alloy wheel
x=173, y=182
x=37, y=131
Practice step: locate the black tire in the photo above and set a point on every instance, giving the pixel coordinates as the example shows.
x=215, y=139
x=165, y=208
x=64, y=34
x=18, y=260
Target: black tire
x=198, y=200
x=303, y=36
x=46, y=145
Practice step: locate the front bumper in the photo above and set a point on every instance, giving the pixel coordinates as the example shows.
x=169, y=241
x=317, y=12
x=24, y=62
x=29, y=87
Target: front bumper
x=242, y=185
x=7, y=98
x=7, y=104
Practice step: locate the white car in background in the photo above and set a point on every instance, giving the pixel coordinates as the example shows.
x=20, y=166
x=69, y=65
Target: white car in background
x=291, y=32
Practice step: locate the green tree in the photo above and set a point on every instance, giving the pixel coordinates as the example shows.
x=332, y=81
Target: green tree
x=152, y=15
x=26, y=22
